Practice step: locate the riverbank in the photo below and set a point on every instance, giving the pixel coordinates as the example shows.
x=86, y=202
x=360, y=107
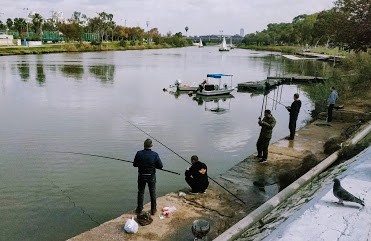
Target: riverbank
x=287, y=161
x=76, y=47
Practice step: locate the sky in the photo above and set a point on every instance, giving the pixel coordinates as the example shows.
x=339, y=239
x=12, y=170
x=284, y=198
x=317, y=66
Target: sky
x=202, y=17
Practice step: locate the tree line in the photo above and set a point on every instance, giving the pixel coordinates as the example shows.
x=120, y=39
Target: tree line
x=101, y=25
x=347, y=26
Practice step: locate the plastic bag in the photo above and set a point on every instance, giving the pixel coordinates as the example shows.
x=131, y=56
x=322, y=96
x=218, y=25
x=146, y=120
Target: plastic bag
x=131, y=226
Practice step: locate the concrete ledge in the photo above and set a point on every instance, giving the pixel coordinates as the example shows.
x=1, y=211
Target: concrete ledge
x=236, y=230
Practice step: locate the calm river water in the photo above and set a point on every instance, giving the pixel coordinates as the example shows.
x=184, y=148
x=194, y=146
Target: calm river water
x=81, y=102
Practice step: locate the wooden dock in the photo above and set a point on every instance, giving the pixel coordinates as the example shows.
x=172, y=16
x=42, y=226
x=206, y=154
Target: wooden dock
x=297, y=79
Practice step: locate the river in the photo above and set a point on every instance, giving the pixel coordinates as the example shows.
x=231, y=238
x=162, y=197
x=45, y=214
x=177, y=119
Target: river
x=82, y=102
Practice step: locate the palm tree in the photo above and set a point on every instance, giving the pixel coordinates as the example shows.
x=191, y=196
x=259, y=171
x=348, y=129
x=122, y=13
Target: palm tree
x=37, y=21
x=20, y=25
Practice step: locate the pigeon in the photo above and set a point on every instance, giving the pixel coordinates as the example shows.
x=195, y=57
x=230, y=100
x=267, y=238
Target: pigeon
x=344, y=195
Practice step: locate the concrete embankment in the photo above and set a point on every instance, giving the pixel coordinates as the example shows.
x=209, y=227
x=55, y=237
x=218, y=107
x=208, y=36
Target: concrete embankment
x=252, y=182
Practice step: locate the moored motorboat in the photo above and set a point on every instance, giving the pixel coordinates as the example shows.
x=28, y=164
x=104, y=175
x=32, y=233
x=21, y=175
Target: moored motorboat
x=210, y=89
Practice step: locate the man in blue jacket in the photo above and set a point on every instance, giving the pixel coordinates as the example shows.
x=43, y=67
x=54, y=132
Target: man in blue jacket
x=147, y=161
x=331, y=103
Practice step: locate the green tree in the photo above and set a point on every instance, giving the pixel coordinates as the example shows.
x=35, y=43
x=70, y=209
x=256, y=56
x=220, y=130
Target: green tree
x=122, y=32
x=50, y=25
x=2, y=25
x=71, y=31
x=37, y=21
x=20, y=25
x=79, y=18
x=9, y=23
x=356, y=23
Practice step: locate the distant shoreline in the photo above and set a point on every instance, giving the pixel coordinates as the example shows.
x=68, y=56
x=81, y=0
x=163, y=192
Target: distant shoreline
x=75, y=47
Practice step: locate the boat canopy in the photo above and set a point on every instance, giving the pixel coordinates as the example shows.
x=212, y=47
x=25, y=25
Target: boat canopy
x=218, y=76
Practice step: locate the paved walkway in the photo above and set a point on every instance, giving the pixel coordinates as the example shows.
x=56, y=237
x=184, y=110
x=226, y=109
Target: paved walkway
x=323, y=219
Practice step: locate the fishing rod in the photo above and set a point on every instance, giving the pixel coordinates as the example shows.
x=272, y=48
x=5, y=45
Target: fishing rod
x=184, y=160
x=107, y=157
x=266, y=96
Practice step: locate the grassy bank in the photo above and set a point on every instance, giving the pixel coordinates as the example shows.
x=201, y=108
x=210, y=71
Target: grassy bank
x=352, y=79
x=284, y=49
x=293, y=49
x=77, y=47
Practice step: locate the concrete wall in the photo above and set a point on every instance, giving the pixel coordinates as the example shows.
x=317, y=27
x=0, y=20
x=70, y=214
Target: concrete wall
x=6, y=39
x=34, y=43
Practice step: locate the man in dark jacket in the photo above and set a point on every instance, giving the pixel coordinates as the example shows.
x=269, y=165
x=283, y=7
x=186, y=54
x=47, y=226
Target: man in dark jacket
x=294, y=112
x=265, y=136
x=147, y=161
x=196, y=176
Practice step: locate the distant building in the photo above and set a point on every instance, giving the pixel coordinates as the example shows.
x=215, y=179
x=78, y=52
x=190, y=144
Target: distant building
x=242, y=32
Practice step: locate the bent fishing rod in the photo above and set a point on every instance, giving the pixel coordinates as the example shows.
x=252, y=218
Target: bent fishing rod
x=107, y=157
x=184, y=160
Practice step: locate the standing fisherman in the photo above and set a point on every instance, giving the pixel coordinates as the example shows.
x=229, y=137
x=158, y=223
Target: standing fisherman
x=294, y=112
x=265, y=136
x=331, y=103
x=147, y=161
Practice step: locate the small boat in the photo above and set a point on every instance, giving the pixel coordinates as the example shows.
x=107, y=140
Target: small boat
x=224, y=46
x=200, y=45
x=184, y=87
x=258, y=85
x=210, y=89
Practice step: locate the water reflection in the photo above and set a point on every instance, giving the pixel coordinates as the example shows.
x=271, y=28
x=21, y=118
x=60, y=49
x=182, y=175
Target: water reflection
x=103, y=72
x=24, y=70
x=40, y=75
x=73, y=71
x=217, y=104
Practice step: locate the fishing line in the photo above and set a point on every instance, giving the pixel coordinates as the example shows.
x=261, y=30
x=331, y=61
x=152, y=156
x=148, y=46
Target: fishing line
x=74, y=204
x=184, y=160
x=107, y=157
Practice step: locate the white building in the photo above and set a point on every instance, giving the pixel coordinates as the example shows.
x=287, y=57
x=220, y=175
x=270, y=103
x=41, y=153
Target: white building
x=6, y=39
x=242, y=32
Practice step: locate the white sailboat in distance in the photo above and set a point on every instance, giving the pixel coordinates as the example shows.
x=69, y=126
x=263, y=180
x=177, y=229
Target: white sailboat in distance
x=224, y=46
x=200, y=45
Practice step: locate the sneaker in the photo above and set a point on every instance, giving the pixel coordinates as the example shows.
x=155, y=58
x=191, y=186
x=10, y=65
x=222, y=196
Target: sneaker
x=202, y=192
x=258, y=156
x=263, y=161
x=193, y=192
x=153, y=212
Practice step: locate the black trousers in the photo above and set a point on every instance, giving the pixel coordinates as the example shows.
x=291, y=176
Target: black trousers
x=142, y=181
x=262, y=146
x=329, y=112
x=292, y=127
x=196, y=186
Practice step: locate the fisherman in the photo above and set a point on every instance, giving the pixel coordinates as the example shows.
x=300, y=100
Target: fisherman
x=267, y=125
x=196, y=176
x=202, y=85
x=294, y=112
x=331, y=103
x=147, y=161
